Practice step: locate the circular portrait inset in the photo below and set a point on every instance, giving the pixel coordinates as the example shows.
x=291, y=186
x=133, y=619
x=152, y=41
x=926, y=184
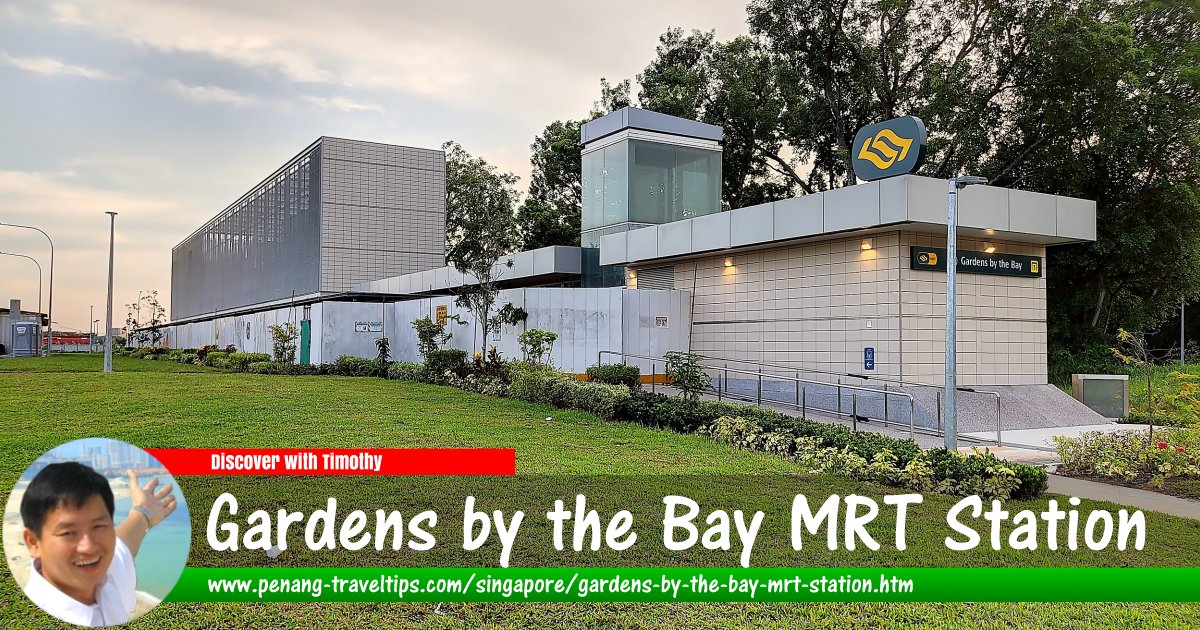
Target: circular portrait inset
x=96, y=532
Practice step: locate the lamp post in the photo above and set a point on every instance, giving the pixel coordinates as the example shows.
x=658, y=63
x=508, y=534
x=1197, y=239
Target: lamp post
x=951, y=403
x=112, y=231
x=50, y=313
x=39, y=266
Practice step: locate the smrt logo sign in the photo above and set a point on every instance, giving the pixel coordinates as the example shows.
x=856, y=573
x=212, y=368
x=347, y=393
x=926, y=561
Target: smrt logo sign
x=890, y=148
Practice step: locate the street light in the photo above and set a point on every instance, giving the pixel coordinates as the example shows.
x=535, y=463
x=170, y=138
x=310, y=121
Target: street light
x=39, y=266
x=50, y=314
x=951, y=403
x=112, y=232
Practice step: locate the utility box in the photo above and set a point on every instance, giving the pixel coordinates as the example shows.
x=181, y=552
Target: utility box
x=26, y=339
x=1106, y=394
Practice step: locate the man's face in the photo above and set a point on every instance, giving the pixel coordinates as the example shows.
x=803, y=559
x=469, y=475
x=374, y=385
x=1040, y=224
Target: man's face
x=76, y=547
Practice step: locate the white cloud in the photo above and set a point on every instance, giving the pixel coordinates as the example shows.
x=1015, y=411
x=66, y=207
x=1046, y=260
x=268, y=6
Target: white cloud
x=48, y=65
x=210, y=94
x=342, y=103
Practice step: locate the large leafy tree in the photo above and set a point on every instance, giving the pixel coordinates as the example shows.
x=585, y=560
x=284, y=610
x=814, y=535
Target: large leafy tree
x=550, y=213
x=1133, y=145
x=480, y=230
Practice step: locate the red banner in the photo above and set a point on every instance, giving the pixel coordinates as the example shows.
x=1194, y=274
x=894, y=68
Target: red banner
x=337, y=461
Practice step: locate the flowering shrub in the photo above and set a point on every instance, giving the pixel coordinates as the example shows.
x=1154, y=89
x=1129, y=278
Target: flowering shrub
x=1131, y=457
x=938, y=470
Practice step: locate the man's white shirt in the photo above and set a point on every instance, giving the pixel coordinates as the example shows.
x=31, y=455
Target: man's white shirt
x=115, y=598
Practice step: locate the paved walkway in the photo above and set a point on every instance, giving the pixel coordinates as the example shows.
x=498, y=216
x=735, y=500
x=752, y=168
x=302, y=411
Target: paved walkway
x=1133, y=497
x=1015, y=440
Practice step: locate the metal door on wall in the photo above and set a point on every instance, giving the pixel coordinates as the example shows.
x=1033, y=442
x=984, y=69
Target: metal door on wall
x=305, y=337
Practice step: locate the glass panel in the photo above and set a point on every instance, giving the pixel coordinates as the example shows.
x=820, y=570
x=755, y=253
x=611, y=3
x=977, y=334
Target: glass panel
x=593, y=189
x=616, y=187
x=652, y=166
x=672, y=183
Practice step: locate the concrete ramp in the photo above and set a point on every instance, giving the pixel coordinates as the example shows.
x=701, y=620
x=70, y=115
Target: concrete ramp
x=1021, y=407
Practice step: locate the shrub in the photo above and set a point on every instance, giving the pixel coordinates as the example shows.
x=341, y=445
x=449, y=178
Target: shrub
x=541, y=384
x=283, y=342
x=218, y=360
x=450, y=360
x=347, y=365
x=615, y=374
x=687, y=374
x=537, y=344
x=430, y=335
x=263, y=367
x=239, y=361
x=295, y=369
x=535, y=383
x=478, y=383
x=1131, y=456
x=385, y=355
x=406, y=371
x=202, y=351
x=494, y=365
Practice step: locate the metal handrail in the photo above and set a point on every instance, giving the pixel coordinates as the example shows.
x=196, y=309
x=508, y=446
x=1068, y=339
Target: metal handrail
x=867, y=377
x=912, y=405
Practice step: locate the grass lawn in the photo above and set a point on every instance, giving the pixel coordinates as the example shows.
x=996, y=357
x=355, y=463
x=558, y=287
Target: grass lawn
x=45, y=402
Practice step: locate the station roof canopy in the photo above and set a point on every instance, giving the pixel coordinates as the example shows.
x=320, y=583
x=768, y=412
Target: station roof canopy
x=537, y=267
x=908, y=202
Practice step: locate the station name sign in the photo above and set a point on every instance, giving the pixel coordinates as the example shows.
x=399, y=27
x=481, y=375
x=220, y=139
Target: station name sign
x=934, y=259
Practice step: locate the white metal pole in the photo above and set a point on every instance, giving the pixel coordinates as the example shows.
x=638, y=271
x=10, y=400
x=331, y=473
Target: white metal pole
x=50, y=306
x=112, y=231
x=1182, y=356
x=39, y=267
x=951, y=417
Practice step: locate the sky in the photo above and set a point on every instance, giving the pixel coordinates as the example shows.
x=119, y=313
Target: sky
x=167, y=112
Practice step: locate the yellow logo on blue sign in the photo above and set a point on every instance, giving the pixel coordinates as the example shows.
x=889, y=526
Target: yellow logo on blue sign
x=890, y=148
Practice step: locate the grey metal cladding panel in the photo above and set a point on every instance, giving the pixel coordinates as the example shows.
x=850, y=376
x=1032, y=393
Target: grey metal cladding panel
x=632, y=117
x=927, y=199
x=1032, y=213
x=568, y=259
x=755, y=224
x=522, y=266
x=603, y=126
x=893, y=199
x=852, y=207
x=265, y=247
x=642, y=243
x=710, y=231
x=655, y=121
x=674, y=238
x=983, y=207
x=613, y=248
x=1076, y=218
x=799, y=216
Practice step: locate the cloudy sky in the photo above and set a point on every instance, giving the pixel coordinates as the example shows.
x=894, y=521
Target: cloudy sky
x=166, y=112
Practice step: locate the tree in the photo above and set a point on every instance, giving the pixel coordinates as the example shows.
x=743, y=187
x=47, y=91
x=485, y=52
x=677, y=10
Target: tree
x=146, y=330
x=480, y=229
x=551, y=211
x=731, y=85
x=283, y=342
x=550, y=214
